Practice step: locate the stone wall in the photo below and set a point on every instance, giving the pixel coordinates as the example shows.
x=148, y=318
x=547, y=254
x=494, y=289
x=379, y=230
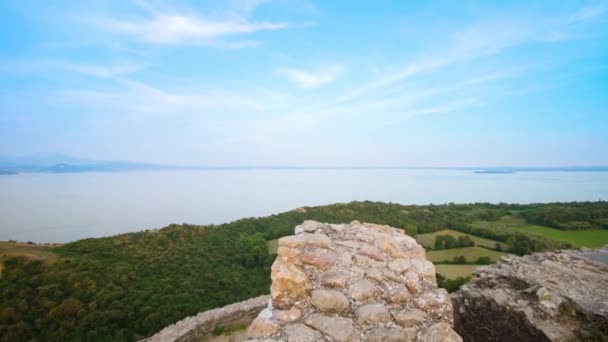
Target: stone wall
x=204, y=323
x=541, y=297
x=353, y=282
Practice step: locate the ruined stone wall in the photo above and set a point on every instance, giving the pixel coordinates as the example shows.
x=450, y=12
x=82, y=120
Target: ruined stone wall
x=541, y=297
x=201, y=325
x=353, y=282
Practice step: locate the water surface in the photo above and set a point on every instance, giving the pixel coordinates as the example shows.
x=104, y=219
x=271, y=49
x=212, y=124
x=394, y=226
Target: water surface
x=65, y=207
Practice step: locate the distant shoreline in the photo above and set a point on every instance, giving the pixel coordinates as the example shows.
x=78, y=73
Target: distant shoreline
x=127, y=167
x=492, y=171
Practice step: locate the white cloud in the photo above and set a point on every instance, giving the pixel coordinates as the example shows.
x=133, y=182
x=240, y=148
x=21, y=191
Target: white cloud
x=486, y=38
x=180, y=28
x=314, y=78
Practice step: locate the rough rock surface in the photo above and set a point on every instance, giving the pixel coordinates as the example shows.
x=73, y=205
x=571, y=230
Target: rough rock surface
x=353, y=282
x=541, y=297
x=202, y=325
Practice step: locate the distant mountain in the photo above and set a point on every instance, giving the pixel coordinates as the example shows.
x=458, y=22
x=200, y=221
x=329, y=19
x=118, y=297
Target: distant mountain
x=102, y=167
x=59, y=163
x=5, y=172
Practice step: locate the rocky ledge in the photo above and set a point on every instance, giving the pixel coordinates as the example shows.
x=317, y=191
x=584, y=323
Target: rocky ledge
x=541, y=297
x=353, y=282
x=201, y=326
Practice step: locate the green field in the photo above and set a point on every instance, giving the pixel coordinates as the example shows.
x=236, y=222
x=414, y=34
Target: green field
x=455, y=271
x=470, y=253
x=577, y=238
x=428, y=240
x=273, y=245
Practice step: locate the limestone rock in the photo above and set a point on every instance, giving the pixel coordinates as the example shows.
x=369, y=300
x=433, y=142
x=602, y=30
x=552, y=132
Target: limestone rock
x=398, y=265
x=355, y=282
x=290, y=315
x=372, y=252
x=439, y=332
x=203, y=324
x=372, y=314
x=320, y=258
x=289, y=284
x=338, y=328
x=329, y=300
x=288, y=253
x=540, y=297
x=263, y=326
x=298, y=332
x=362, y=290
x=318, y=240
x=307, y=227
x=408, y=318
x=437, y=302
x=293, y=241
x=336, y=279
x=399, y=295
x=375, y=274
x=383, y=334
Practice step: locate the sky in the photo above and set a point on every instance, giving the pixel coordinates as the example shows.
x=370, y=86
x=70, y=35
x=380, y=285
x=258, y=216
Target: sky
x=307, y=83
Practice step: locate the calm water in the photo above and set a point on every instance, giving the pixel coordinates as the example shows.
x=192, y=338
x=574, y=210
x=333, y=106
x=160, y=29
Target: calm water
x=66, y=207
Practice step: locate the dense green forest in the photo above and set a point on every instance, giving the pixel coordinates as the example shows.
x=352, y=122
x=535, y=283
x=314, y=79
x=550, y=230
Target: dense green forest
x=127, y=287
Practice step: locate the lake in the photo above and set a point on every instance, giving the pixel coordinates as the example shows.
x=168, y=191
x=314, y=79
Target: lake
x=65, y=207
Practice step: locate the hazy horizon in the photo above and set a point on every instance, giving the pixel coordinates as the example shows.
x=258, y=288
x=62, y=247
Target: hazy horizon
x=58, y=158
x=45, y=207
x=301, y=82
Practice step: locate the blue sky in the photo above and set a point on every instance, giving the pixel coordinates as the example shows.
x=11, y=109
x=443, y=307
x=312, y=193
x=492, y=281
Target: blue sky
x=408, y=83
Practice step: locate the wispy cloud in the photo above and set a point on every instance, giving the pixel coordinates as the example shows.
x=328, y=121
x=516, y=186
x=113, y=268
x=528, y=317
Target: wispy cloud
x=589, y=12
x=180, y=28
x=167, y=25
x=312, y=78
x=482, y=39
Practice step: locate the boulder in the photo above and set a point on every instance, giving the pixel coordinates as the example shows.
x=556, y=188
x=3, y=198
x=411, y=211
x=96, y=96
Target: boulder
x=337, y=328
x=362, y=290
x=372, y=314
x=540, y=297
x=329, y=300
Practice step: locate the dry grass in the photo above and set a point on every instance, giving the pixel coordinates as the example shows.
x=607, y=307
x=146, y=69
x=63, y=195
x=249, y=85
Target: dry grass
x=34, y=252
x=455, y=271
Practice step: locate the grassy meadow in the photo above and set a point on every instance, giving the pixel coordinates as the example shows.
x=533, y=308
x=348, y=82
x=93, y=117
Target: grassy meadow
x=577, y=238
x=470, y=253
x=455, y=271
x=428, y=240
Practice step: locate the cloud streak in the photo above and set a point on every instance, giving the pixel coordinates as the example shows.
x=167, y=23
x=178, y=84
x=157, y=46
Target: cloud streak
x=182, y=28
x=314, y=78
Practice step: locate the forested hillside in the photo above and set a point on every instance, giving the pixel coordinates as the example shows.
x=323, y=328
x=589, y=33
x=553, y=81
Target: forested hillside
x=127, y=287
